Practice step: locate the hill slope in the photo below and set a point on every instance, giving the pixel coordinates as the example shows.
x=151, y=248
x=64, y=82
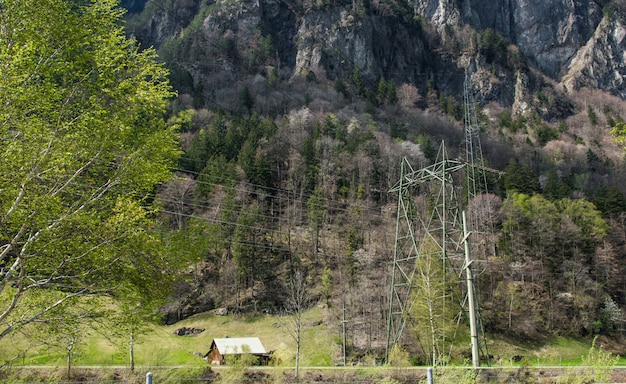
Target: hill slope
x=295, y=117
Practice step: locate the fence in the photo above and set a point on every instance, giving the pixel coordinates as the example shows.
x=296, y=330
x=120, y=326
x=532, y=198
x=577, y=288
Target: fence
x=367, y=375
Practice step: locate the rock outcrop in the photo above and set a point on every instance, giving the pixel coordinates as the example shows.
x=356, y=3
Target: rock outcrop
x=601, y=63
x=569, y=40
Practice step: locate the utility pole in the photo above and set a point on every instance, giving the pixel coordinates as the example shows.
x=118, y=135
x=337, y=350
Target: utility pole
x=469, y=276
x=343, y=325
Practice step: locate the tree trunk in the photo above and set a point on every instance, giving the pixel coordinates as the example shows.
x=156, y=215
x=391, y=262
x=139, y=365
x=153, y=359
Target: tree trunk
x=131, y=351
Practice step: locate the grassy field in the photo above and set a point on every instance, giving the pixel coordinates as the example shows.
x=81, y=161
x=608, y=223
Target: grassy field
x=161, y=347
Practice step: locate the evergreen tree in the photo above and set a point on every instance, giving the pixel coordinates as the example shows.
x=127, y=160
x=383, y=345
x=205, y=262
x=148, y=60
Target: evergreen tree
x=520, y=178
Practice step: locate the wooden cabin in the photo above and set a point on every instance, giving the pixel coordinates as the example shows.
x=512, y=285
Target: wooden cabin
x=222, y=349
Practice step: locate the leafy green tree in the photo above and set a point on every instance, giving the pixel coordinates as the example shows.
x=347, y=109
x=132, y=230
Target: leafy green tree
x=583, y=213
x=327, y=286
x=66, y=329
x=218, y=171
x=311, y=162
x=593, y=116
x=530, y=226
x=433, y=310
x=131, y=319
x=596, y=367
x=340, y=87
x=619, y=134
x=84, y=145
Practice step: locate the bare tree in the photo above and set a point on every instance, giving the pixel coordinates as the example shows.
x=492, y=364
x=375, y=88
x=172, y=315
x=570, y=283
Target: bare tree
x=408, y=95
x=295, y=306
x=177, y=196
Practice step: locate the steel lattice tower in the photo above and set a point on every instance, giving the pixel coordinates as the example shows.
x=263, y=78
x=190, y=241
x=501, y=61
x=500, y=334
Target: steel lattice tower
x=436, y=188
x=476, y=176
x=441, y=226
x=476, y=179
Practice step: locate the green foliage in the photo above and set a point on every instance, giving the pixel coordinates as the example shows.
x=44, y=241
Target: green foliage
x=529, y=225
x=327, y=285
x=392, y=92
x=456, y=375
x=340, y=87
x=311, y=163
x=398, y=131
x=434, y=309
x=492, y=46
x=557, y=187
x=183, y=120
x=249, y=258
x=544, y=134
x=358, y=82
x=588, y=219
x=553, y=232
x=272, y=77
x=197, y=241
x=593, y=117
x=246, y=99
x=218, y=171
x=505, y=119
x=450, y=107
x=609, y=200
x=619, y=134
x=398, y=357
x=426, y=145
x=520, y=178
x=317, y=208
x=85, y=146
x=381, y=91
x=597, y=367
x=611, y=9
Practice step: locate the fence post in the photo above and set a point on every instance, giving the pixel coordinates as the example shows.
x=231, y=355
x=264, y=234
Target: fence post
x=149, y=378
x=429, y=375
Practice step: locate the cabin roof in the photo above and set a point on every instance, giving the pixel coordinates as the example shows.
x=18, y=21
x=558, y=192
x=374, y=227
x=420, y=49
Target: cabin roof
x=238, y=345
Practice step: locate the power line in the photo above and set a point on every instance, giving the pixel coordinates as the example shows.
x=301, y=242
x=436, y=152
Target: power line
x=281, y=194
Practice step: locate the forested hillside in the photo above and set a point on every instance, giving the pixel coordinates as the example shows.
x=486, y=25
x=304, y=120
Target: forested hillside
x=294, y=118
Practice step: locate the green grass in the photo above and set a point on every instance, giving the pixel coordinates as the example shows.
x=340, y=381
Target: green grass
x=160, y=347
x=559, y=351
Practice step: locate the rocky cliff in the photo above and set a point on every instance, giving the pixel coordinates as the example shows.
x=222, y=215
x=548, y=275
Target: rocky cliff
x=425, y=42
x=548, y=32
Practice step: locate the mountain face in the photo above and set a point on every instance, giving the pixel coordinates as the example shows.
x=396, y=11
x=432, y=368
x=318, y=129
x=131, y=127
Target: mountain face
x=548, y=32
x=580, y=43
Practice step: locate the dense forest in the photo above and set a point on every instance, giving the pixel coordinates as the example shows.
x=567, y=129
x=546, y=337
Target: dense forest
x=286, y=172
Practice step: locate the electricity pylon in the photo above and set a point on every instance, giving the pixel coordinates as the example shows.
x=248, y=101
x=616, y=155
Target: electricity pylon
x=440, y=221
x=476, y=176
x=476, y=179
x=434, y=219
